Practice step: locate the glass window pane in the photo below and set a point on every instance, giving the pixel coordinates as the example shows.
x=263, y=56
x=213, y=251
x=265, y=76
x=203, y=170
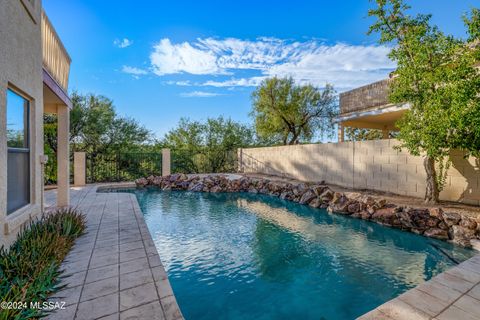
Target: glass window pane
x=17, y=120
x=18, y=161
x=18, y=180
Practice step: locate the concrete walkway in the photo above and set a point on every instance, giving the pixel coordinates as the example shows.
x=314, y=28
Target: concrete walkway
x=114, y=269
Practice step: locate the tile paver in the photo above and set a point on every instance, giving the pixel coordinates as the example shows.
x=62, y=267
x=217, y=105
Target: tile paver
x=452, y=295
x=113, y=271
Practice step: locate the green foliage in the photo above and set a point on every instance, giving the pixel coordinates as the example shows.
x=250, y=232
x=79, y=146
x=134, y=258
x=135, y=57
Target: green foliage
x=357, y=134
x=208, y=146
x=289, y=113
x=29, y=269
x=95, y=128
x=436, y=74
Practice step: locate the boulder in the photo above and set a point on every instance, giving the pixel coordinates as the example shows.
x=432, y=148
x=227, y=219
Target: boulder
x=436, y=212
x=337, y=197
x=327, y=195
x=196, y=187
x=318, y=189
x=182, y=177
x=461, y=235
x=216, y=188
x=451, y=218
x=468, y=223
x=353, y=207
x=385, y=216
x=436, y=233
x=315, y=203
x=307, y=197
x=142, y=182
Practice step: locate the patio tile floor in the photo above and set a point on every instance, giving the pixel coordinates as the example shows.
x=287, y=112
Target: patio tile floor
x=113, y=271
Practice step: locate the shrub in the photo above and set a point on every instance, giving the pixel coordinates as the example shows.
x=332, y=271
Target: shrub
x=29, y=269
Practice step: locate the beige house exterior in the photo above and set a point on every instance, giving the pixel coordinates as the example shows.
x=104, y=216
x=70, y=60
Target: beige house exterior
x=368, y=107
x=34, y=71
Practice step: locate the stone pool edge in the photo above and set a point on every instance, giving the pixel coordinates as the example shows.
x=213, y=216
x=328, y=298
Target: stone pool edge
x=431, y=222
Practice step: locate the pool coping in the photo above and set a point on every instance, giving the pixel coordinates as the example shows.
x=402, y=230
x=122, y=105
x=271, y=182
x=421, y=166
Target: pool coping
x=453, y=294
x=114, y=270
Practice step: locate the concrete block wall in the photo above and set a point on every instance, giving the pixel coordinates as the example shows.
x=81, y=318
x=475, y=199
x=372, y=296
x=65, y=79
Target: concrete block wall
x=374, y=165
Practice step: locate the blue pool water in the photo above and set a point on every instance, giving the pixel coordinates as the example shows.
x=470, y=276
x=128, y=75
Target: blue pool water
x=244, y=256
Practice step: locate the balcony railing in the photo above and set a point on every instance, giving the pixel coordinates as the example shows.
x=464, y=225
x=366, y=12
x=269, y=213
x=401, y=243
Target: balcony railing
x=56, y=60
x=366, y=97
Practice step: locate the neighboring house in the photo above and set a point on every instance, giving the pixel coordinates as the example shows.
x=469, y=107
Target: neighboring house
x=34, y=70
x=368, y=107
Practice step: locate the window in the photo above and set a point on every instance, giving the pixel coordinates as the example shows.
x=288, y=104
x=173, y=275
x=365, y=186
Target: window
x=18, y=161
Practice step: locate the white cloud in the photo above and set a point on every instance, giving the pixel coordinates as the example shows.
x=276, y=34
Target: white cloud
x=134, y=71
x=170, y=59
x=123, y=43
x=242, y=82
x=342, y=65
x=185, y=83
x=199, y=94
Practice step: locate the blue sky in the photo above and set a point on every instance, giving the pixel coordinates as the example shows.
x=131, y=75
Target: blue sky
x=163, y=60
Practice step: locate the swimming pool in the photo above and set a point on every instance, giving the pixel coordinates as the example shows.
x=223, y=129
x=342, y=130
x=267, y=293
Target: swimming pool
x=246, y=256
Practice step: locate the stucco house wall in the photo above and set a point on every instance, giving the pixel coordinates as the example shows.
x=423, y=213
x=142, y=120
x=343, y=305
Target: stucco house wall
x=21, y=70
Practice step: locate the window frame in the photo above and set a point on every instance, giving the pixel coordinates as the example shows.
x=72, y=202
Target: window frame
x=27, y=138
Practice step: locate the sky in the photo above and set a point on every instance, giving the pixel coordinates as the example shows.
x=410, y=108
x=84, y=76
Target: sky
x=160, y=61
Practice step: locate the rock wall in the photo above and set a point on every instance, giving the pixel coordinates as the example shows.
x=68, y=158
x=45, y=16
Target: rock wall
x=431, y=222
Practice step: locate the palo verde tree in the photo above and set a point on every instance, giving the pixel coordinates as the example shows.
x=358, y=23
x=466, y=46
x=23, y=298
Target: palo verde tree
x=290, y=113
x=437, y=75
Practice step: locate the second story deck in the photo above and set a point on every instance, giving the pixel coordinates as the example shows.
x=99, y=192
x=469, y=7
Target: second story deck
x=56, y=68
x=369, y=107
x=56, y=60
x=373, y=95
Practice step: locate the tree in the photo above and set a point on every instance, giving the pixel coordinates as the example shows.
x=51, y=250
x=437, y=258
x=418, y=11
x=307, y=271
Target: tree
x=96, y=128
x=208, y=146
x=291, y=113
x=436, y=74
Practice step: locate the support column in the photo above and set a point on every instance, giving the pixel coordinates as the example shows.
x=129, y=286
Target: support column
x=341, y=133
x=240, y=160
x=63, y=156
x=386, y=134
x=79, y=163
x=165, y=162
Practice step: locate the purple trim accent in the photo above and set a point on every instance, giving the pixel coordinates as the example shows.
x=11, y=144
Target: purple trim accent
x=56, y=89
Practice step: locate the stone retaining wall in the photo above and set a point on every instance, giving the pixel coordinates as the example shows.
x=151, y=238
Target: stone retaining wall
x=373, y=165
x=430, y=222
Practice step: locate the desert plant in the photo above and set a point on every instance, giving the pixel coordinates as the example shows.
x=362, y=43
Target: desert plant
x=29, y=268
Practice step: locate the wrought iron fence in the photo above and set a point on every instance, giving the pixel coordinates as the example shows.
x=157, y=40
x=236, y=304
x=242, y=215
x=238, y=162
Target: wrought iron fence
x=204, y=161
x=122, y=166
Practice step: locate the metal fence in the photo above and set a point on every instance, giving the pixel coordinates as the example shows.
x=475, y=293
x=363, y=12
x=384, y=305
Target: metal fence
x=122, y=166
x=204, y=161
